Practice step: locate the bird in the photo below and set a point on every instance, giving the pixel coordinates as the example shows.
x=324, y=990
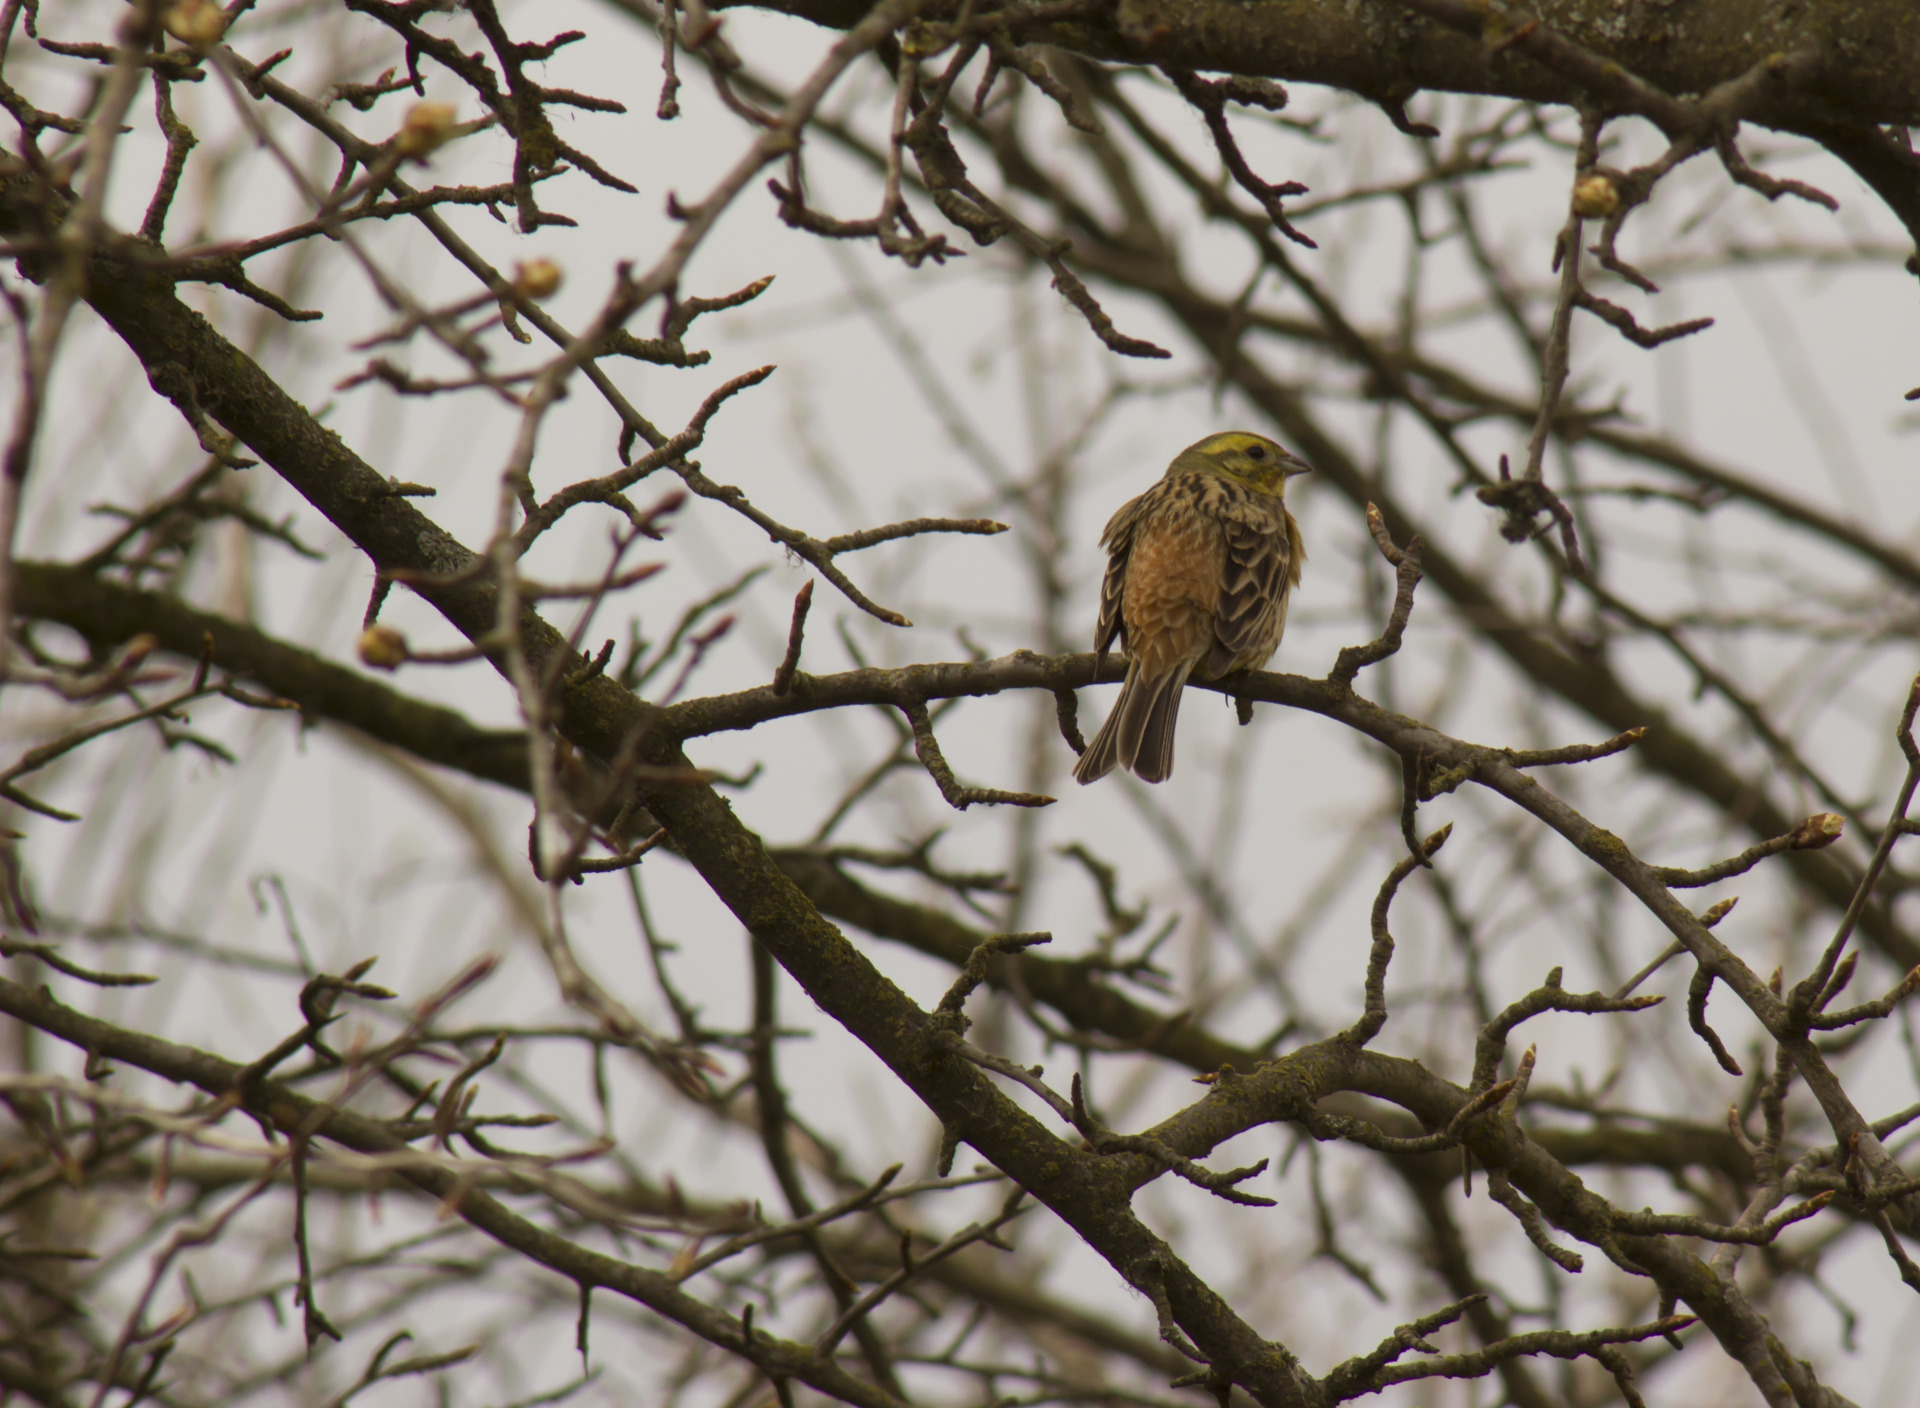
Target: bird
x=1199, y=569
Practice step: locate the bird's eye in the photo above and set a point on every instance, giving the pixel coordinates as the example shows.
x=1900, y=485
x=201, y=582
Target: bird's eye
x=1256, y=452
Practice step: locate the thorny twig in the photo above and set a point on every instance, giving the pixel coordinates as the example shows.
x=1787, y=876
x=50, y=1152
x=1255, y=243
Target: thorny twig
x=1374, y=1012
x=783, y=677
x=1106, y=1141
x=1406, y=564
x=927, y=748
x=1814, y=983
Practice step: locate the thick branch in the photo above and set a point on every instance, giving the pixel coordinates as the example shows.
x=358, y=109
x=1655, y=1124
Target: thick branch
x=1381, y=48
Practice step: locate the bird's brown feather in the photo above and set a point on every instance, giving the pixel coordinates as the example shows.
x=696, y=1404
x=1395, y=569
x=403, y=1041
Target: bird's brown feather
x=1172, y=587
x=1253, y=599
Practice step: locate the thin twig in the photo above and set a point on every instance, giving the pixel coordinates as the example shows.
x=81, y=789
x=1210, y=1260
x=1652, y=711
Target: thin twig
x=796, y=633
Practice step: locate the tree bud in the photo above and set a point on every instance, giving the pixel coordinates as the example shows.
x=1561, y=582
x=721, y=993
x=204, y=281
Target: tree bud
x=537, y=278
x=196, y=22
x=1595, y=197
x=382, y=647
x=427, y=128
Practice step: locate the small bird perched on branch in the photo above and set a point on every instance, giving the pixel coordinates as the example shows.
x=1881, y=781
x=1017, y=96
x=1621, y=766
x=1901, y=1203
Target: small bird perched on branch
x=1198, y=573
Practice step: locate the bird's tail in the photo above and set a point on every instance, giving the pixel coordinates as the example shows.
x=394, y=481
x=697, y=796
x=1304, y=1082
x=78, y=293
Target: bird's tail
x=1138, y=734
x=1100, y=756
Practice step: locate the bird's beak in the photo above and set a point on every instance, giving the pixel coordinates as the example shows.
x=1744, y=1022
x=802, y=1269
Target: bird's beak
x=1291, y=465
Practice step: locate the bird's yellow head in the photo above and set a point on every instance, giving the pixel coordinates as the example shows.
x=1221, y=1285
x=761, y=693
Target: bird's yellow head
x=1239, y=454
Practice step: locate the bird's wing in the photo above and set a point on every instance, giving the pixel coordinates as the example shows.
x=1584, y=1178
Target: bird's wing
x=1117, y=539
x=1257, y=570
